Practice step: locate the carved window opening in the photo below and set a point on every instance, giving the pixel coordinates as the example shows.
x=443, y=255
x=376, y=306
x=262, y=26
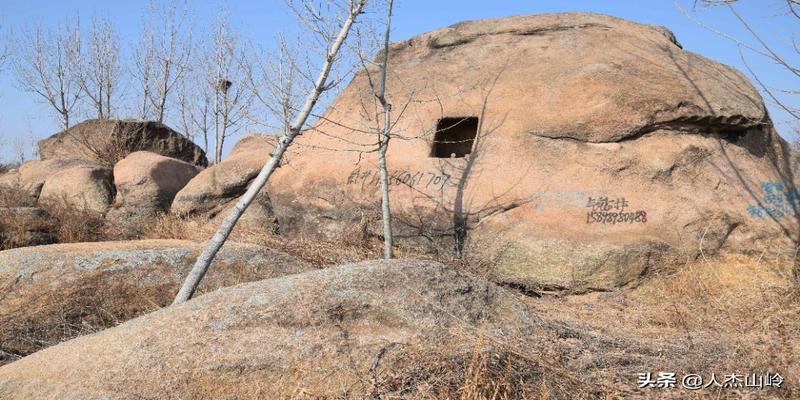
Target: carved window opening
x=454, y=137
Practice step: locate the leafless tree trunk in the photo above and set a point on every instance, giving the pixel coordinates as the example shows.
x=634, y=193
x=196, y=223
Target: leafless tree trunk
x=224, y=77
x=47, y=65
x=384, y=140
x=143, y=71
x=195, y=107
x=355, y=7
x=100, y=72
x=161, y=58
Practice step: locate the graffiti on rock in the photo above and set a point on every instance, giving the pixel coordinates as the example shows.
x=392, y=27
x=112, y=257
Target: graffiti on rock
x=605, y=210
x=777, y=202
x=414, y=179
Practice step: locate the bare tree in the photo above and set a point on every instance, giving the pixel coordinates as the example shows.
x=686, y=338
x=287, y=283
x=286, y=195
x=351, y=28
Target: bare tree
x=100, y=72
x=143, y=72
x=162, y=58
x=762, y=48
x=224, y=70
x=383, y=140
x=352, y=9
x=195, y=108
x=5, y=48
x=272, y=82
x=47, y=65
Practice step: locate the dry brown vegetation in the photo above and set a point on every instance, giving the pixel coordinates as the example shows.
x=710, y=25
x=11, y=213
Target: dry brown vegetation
x=734, y=314
x=93, y=303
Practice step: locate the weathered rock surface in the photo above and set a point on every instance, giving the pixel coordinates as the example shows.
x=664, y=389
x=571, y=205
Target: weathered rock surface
x=345, y=332
x=212, y=190
x=24, y=226
x=603, y=147
x=83, y=187
x=108, y=141
x=10, y=178
x=52, y=293
x=147, y=183
x=34, y=173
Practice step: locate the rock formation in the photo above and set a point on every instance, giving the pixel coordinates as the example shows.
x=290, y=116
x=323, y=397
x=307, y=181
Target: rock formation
x=108, y=141
x=52, y=293
x=342, y=332
x=83, y=187
x=146, y=183
x=212, y=193
x=215, y=187
x=575, y=151
x=34, y=173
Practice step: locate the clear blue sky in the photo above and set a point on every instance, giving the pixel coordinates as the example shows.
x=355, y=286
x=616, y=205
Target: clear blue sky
x=21, y=116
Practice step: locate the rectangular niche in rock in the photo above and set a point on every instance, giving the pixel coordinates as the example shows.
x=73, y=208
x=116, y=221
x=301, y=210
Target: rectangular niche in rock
x=454, y=137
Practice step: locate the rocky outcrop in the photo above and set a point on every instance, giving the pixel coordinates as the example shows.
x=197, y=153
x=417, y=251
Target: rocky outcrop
x=10, y=178
x=83, y=187
x=146, y=183
x=52, y=293
x=34, y=173
x=604, y=147
x=107, y=141
x=212, y=190
x=355, y=331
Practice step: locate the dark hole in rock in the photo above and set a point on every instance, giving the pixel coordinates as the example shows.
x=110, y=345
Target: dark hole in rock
x=454, y=137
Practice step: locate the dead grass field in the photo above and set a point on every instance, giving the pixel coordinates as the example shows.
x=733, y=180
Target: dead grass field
x=732, y=313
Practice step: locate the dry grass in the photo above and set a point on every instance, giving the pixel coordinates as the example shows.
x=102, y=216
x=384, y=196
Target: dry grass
x=92, y=303
x=15, y=197
x=484, y=373
x=733, y=314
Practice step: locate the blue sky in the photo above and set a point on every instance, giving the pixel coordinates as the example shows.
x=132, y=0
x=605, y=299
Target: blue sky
x=23, y=118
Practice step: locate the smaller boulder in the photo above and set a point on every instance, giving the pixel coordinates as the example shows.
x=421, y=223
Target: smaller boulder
x=84, y=187
x=147, y=182
x=32, y=174
x=212, y=190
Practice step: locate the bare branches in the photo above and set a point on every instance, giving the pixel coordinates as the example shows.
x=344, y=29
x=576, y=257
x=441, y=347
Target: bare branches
x=100, y=69
x=274, y=82
x=5, y=47
x=224, y=73
x=354, y=9
x=161, y=58
x=764, y=49
x=47, y=65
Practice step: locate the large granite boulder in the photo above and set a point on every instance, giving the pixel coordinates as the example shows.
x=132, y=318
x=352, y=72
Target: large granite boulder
x=83, y=187
x=32, y=174
x=146, y=183
x=53, y=293
x=574, y=151
x=213, y=190
x=106, y=141
x=381, y=329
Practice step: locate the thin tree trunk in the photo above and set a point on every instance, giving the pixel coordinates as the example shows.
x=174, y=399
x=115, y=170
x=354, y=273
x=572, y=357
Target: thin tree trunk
x=388, y=238
x=212, y=247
